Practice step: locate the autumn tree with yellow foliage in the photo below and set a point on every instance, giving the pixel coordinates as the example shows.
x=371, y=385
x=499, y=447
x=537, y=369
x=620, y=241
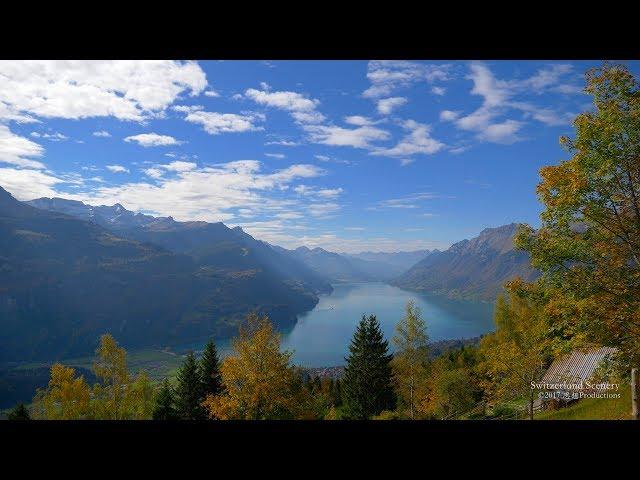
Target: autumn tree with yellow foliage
x=588, y=246
x=410, y=362
x=117, y=397
x=66, y=397
x=518, y=352
x=259, y=382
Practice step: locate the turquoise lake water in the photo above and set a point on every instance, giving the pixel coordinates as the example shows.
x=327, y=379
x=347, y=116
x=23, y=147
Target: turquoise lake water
x=322, y=336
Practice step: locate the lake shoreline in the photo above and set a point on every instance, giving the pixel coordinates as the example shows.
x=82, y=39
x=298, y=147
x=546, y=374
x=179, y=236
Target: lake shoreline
x=436, y=349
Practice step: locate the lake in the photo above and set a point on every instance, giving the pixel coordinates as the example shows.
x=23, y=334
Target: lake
x=321, y=337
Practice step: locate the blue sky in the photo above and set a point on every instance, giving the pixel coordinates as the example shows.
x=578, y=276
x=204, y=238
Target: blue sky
x=346, y=155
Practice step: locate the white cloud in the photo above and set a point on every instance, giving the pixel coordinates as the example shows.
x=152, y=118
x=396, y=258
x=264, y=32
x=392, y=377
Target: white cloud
x=288, y=215
x=448, y=115
x=9, y=113
x=308, y=117
x=158, y=171
x=329, y=192
x=187, y=108
x=209, y=193
x=359, y=120
x=117, y=169
x=275, y=155
x=180, y=166
x=407, y=202
x=54, y=137
x=387, y=76
x=279, y=234
x=154, y=172
x=438, y=91
x=152, y=140
x=504, y=132
x=19, y=151
x=101, y=133
x=216, y=123
x=301, y=108
x=568, y=89
x=499, y=98
x=547, y=116
x=460, y=149
x=27, y=184
x=323, y=158
x=495, y=93
x=387, y=105
x=418, y=141
x=546, y=77
x=289, y=101
x=315, y=192
x=323, y=210
x=283, y=143
x=360, y=137
x=127, y=90
x=211, y=93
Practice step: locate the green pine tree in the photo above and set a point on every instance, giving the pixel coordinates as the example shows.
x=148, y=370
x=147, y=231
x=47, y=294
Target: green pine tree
x=165, y=408
x=337, y=393
x=19, y=413
x=210, y=370
x=367, y=387
x=189, y=390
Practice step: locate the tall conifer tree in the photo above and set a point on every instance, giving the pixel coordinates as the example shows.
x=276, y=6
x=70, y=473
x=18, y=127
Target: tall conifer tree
x=366, y=387
x=19, y=413
x=165, y=408
x=210, y=370
x=189, y=390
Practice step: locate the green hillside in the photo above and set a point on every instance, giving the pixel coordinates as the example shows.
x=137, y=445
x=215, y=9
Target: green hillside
x=594, y=409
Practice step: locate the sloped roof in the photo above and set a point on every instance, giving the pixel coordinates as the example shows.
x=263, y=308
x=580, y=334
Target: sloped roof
x=576, y=366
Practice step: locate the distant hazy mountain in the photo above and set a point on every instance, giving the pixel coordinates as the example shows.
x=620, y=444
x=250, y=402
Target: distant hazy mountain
x=402, y=260
x=475, y=268
x=65, y=281
x=362, y=267
x=329, y=264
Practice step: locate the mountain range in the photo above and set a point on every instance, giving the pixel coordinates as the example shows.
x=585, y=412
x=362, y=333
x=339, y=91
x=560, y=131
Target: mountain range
x=66, y=280
x=474, y=269
x=71, y=271
x=216, y=243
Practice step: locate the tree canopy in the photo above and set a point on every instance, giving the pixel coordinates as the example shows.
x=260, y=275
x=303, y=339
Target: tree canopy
x=588, y=246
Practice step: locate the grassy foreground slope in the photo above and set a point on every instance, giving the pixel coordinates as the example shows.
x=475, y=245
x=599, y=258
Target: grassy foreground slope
x=594, y=409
